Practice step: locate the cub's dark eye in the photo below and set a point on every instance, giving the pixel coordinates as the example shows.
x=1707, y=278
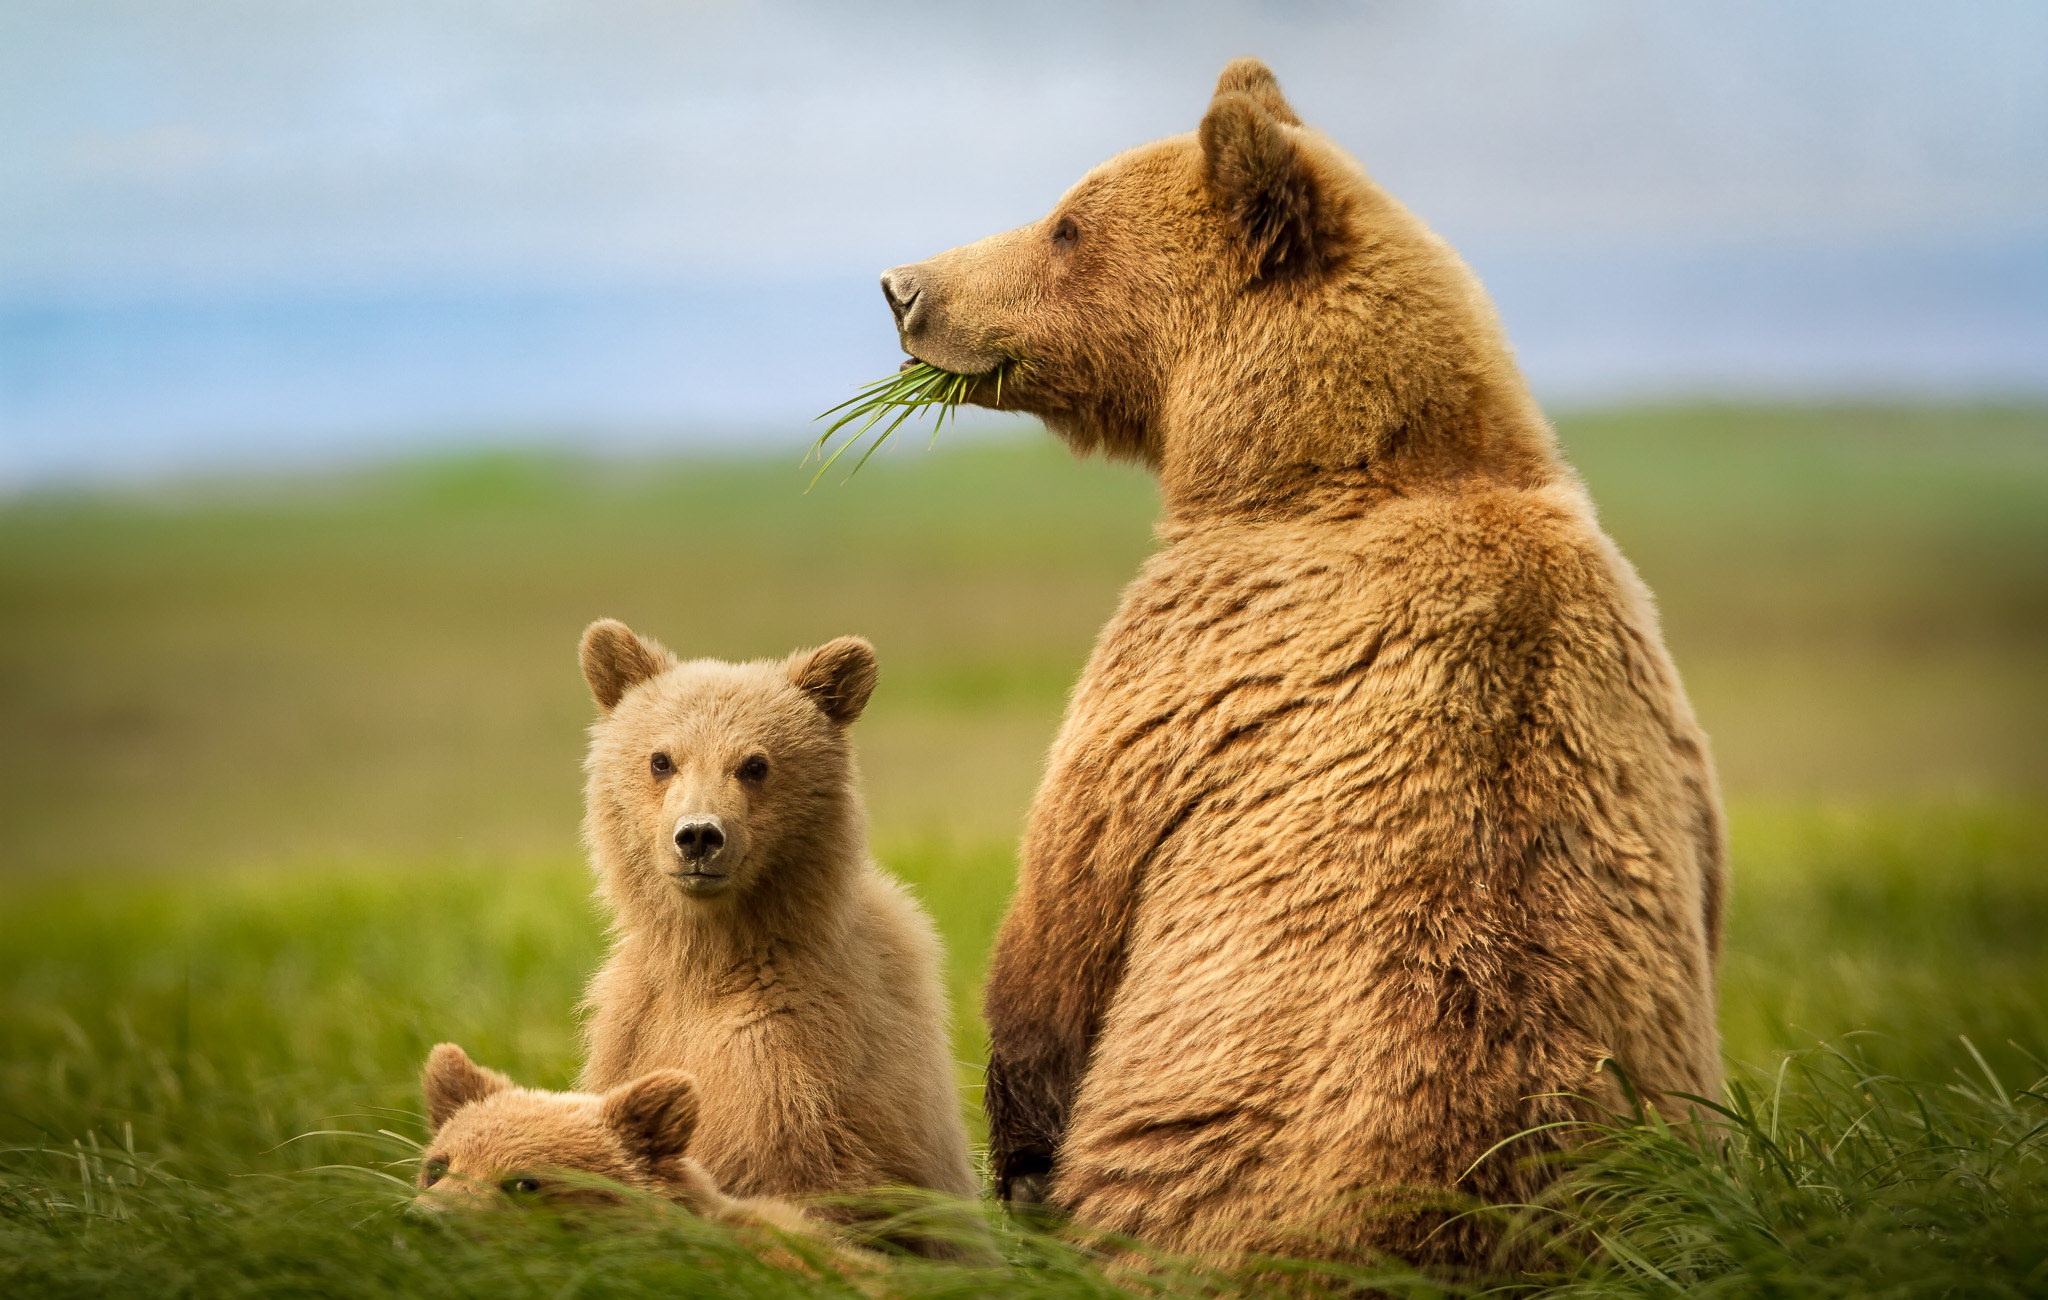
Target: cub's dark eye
x=754, y=770
x=662, y=765
x=433, y=1172
x=1065, y=232
x=520, y=1186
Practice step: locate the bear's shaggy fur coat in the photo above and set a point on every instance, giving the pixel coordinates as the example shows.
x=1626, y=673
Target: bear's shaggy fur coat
x=1379, y=818
x=800, y=986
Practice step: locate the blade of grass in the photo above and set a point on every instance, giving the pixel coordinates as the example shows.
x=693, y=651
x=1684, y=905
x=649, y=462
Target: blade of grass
x=905, y=393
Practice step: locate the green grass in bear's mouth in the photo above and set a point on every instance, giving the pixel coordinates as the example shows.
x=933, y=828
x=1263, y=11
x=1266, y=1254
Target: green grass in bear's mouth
x=913, y=388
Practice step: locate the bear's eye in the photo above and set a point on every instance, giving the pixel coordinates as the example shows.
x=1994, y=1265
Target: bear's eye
x=1065, y=233
x=662, y=765
x=433, y=1172
x=754, y=770
x=520, y=1186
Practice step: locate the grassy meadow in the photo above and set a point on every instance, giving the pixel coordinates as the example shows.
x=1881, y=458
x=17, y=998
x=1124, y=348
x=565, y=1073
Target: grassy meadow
x=289, y=792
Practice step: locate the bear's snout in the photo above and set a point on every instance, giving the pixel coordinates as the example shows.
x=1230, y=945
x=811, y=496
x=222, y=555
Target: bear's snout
x=901, y=287
x=699, y=840
x=962, y=310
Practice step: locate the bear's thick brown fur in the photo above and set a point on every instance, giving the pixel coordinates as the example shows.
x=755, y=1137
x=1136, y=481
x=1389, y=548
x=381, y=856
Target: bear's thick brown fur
x=492, y=1137
x=754, y=945
x=1379, y=817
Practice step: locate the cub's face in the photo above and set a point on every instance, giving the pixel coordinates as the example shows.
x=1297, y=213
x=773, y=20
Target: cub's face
x=704, y=775
x=1147, y=265
x=495, y=1142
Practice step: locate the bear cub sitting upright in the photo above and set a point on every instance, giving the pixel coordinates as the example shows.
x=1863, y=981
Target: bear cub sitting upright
x=754, y=944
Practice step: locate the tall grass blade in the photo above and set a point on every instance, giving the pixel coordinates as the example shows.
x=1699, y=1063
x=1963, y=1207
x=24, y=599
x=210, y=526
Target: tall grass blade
x=913, y=389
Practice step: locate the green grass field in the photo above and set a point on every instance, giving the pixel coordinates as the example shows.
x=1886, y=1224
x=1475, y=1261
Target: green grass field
x=289, y=792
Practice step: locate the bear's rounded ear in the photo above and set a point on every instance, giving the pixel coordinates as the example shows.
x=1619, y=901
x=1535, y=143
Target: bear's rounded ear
x=1253, y=79
x=1258, y=176
x=839, y=675
x=615, y=661
x=452, y=1081
x=656, y=1114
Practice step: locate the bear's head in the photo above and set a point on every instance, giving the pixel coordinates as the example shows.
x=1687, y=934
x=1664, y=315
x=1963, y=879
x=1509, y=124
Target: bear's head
x=494, y=1139
x=714, y=785
x=1241, y=308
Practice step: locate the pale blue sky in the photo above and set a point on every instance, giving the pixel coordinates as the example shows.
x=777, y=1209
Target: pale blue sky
x=236, y=230
x=144, y=142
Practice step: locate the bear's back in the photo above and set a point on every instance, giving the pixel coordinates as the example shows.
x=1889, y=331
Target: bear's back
x=1390, y=885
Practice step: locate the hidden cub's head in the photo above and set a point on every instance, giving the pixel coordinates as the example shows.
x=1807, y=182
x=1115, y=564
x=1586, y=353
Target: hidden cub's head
x=494, y=1140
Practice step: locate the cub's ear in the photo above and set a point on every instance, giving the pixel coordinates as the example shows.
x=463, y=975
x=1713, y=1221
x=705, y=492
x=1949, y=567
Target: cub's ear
x=1258, y=175
x=839, y=675
x=452, y=1081
x=656, y=1113
x=615, y=660
x=1254, y=80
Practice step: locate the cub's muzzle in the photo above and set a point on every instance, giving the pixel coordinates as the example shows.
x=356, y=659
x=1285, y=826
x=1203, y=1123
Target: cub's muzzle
x=699, y=840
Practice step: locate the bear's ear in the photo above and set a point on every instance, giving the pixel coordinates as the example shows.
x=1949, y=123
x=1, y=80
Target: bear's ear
x=1254, y=80
x=615, y=660
x=839, y=675
x=452, y=1081
x=656, y=1114
x=1258, y=175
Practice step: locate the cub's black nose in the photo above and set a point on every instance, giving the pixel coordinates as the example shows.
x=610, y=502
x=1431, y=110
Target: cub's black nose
x=699, y=841
x=900, y=287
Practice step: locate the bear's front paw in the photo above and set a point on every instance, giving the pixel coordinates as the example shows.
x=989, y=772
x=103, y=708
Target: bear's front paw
x=1027, y=1189
x=1024, y=1178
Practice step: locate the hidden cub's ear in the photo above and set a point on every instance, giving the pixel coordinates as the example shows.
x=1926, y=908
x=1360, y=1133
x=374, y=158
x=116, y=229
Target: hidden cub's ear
x=655, y=1114
x=451, y=1081
x=615, y=660
x=1257, y=173
x=839, y=675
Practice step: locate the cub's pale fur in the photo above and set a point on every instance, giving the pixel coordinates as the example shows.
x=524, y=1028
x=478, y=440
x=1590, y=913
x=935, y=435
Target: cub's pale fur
x=492, y=1138
x=754, y=944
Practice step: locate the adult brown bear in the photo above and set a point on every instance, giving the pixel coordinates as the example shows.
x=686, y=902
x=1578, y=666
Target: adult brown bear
x=1379, y=819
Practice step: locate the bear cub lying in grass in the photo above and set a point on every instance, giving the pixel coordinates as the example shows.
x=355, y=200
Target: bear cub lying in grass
x=755, y=946
x=492, y=1136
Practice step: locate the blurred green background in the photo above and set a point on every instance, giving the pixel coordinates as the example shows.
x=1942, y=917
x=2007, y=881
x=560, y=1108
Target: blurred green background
x=349, y=674
x=381, y=666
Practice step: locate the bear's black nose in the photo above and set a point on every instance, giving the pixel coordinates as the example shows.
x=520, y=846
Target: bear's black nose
x=699, y=841
x=901, y=288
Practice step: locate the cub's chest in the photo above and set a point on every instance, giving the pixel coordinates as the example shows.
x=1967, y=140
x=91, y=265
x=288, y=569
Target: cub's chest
x=755, y=995
x=773, y=998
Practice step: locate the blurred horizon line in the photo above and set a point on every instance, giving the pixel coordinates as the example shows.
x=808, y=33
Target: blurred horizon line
x=97, y=386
